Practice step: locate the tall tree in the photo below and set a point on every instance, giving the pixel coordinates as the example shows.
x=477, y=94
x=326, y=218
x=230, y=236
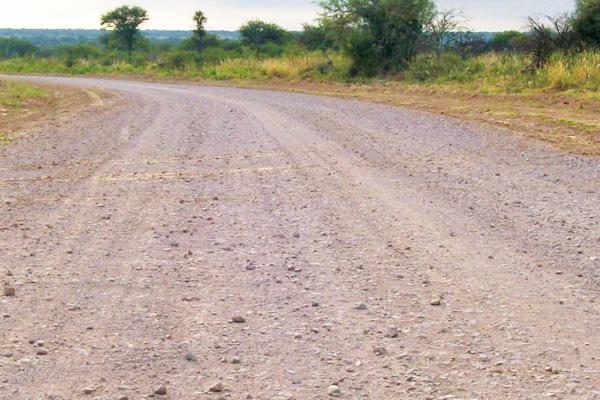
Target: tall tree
x=199, y=35
x=444, y=28
x=587, y=21
x=380, y=36
x=257, y=34
x=125, y=23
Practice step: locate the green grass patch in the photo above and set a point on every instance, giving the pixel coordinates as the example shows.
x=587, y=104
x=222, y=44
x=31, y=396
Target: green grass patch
x=509, y=73
x=4, y=139
x=14, y=94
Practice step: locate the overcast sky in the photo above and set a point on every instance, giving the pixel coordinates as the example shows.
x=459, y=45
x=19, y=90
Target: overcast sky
x=483, y=15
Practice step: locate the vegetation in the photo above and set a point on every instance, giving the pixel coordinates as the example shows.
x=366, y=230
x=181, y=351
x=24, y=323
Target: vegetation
x=260, y=35
x=379, y=36
x=586, y=23
x=354, y=40
x=14, y=94
x=125, y=22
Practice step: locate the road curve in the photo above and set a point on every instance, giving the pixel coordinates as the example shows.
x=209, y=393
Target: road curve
x=365, y=251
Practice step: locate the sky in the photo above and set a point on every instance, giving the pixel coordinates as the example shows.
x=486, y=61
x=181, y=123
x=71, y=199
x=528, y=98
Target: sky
x=481, y=15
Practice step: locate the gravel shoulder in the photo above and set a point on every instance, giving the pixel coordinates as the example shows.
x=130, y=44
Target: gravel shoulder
x=203, y=242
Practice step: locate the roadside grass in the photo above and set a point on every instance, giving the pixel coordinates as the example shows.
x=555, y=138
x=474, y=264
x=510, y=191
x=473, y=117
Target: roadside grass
x=15, y=99
x=491, y=73
x=4, y=139
x=25, y=106
x=14, y=95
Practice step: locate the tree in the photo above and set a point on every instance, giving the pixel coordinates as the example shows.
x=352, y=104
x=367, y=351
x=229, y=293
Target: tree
x=13, y=47
x=315, y=37
x=444, y=28
x=550, y=35
x=257, y=34
x=199, y=34
x=511, y=41
x=381, y=36
x=587, y=21
x=125, y=23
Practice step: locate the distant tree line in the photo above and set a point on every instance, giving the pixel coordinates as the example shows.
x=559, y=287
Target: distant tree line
x=378, y=36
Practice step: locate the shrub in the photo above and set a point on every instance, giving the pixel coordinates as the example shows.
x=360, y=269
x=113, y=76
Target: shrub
x=12, y=47
x=587, y=21
x=447, y=67
x=380, y=36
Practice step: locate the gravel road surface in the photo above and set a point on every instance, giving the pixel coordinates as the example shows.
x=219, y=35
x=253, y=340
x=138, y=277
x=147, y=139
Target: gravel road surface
x=194, y=242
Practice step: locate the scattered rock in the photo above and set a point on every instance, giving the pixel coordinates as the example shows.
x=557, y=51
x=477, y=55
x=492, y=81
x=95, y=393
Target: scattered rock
x=391, y=332
x=41, y=352
x=88, y=390
x=238, y=319
x=191, y=357
x=235, y=360
x=334, y=391
x=436, y=301
x=379, y=350
x=360, y=306
x=9, y=291
x=216, y=388
x=161, y=390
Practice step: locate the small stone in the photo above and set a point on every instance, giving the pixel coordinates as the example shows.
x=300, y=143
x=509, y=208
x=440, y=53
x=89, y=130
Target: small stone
x=236, y=360
x=123, y=397
x=334, y=391
x=238, y=319
x=9, y=291
x=436, y=302
x=379, y=350
x=360, y=306
x=88, y=390
x=41, y=352
x=161, y=390
x=191, y=357
x=392, y=332
x=216, y=388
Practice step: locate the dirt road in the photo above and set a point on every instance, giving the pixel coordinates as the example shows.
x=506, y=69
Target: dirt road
x=239, y=244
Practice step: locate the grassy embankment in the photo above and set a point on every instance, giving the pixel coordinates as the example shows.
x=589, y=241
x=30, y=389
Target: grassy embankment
x=559, y=104
x=25, y=106
x=16, y=98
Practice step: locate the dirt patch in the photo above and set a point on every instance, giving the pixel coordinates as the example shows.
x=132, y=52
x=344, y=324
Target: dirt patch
x=47, y=105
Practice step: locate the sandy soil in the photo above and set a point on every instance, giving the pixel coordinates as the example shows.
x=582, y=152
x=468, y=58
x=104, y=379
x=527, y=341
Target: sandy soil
x=218, y=243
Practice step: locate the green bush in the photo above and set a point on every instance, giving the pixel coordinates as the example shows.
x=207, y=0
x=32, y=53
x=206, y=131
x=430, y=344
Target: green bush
x=587, y=21
x=178, y=60
x=447, y=67
x=12, y=47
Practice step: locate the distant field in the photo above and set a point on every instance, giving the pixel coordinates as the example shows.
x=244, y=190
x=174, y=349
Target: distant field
x=61, y=37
